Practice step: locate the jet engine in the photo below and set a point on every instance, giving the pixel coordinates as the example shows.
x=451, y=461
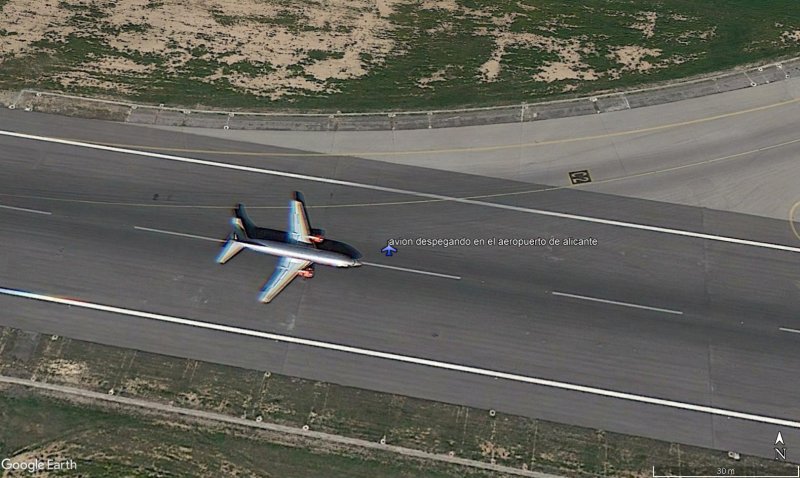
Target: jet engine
x=307, y=273
x=317, y=235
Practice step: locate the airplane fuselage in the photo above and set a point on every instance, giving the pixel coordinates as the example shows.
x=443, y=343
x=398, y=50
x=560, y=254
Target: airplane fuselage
x=298, y=248
x=302, y=252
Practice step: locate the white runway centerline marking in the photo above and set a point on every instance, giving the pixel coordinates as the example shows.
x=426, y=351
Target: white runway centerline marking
x=371, y=264
x=406, y=359
x=338, y=182
x=793, y=331
x=180, y=234
x=416, y=271
x=614, y=302
x=24, y=209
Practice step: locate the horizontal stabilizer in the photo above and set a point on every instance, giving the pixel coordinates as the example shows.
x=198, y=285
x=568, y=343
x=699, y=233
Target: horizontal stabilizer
x=230, y=249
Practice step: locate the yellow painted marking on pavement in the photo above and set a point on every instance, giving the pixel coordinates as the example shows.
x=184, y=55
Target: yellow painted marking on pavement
x=426, y=201
x=205, y=206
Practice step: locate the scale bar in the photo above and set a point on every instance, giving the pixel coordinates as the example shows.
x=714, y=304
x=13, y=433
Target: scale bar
x=796, y=475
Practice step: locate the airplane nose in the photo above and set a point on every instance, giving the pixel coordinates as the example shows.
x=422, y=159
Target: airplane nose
x=355, y=263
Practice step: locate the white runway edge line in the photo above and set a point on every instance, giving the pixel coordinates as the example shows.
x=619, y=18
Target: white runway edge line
x=614, y=302
x=371, y=264
x=23, y=209
x=304, y=177
x=792, y=331
x=405, y=359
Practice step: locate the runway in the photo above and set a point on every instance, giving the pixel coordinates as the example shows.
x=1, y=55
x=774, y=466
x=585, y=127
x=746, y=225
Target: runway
x=83, y=223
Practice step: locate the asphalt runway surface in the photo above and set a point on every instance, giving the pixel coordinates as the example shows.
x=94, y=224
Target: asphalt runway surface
x=707, y=330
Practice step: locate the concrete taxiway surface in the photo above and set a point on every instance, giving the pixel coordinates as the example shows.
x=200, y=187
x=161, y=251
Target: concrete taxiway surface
x=648, y=313
x=734, y=151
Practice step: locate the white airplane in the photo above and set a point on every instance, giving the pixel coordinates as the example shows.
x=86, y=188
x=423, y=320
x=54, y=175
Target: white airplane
x=299, y=248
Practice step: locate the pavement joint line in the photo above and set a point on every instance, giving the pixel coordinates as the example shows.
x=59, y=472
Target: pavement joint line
x=614, y=302
x=786, y=329
x=372, y=264
x=24, y=209
x=219, y=417
x=416, y=271
x=339, y=182
x=406, y=359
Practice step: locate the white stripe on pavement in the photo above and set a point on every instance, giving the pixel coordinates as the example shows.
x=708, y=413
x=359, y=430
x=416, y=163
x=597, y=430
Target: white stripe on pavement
x=305, y=177
x=416, y=271
x=614, y=302
x=408, y=359
x=180, y=234
x=23, y=209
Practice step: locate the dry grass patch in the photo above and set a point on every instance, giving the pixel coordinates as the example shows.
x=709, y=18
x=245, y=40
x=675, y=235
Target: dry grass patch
x=281, y=36
x=353, y=55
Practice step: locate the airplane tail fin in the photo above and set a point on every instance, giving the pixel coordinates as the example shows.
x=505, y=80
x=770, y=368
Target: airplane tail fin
x=245, y=224
x=298, y=196
x=240, y=223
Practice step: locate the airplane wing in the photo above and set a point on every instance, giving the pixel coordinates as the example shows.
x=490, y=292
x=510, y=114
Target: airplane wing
x=299, y=230
x=286, y=271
